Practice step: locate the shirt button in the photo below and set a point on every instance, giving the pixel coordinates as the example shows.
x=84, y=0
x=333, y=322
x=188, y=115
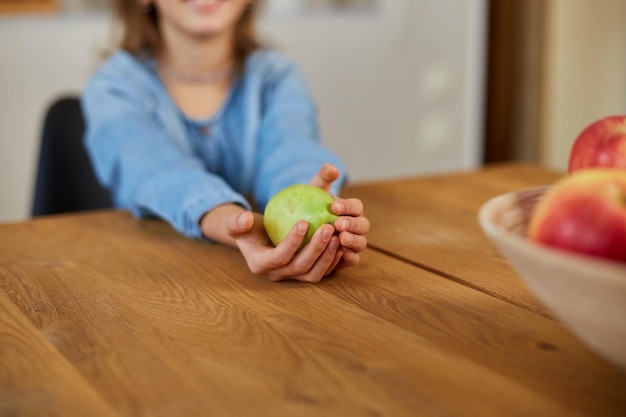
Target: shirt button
x=205, y=130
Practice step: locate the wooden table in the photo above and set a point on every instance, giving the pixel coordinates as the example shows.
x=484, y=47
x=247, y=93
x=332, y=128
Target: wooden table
x=105, y=315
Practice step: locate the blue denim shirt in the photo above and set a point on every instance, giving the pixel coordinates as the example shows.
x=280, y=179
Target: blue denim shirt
x=158, y=162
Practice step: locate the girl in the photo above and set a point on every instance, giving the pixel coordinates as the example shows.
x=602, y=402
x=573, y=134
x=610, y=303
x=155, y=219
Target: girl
x=191, y=120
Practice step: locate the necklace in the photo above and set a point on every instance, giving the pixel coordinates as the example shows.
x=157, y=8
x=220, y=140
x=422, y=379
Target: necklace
x=210, y=78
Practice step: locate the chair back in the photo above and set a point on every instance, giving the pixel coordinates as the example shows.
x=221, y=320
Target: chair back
x=65, y=180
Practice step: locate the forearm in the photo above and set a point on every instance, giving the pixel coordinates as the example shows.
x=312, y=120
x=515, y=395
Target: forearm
x=213, y=223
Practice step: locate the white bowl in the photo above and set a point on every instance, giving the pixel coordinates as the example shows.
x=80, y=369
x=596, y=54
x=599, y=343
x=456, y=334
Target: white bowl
x=588, y=294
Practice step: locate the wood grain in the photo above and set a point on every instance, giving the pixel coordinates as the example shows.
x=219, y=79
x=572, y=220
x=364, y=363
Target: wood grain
x=432, y=222
x=28, y=6
x=162, y=325
x=35, y=379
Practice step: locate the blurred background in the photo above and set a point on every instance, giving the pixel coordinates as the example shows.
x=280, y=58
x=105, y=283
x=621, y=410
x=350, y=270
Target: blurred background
x=404, y=87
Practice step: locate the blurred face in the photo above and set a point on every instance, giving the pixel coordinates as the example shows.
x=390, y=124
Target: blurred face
x=200, y=18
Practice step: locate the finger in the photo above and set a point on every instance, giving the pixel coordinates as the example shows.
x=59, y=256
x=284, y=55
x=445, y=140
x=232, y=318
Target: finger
x=323, y=263
x=300, y=267
x=350, y=258
x=357, y=225
x=357, y=243
x=239, y=224
x=285, y=251
x=347, y=207
x=285, y=264
x=329, y=259
x=327, y=174
x=263, y=259
x=333, y=265
x=312, y=251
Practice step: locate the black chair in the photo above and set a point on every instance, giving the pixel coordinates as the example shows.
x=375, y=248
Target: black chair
x=65, y=179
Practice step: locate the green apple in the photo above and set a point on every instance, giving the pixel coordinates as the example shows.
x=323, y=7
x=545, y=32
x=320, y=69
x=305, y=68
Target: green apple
x=295, y=203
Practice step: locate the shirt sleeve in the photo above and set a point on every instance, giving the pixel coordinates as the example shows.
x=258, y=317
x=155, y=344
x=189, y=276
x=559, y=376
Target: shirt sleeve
x=290, y=148
x=145, y=169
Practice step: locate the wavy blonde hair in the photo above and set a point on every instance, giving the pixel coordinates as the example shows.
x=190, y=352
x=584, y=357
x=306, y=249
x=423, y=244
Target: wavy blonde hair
x=140, y=30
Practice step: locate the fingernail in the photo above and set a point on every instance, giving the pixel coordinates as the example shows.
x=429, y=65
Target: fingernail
x=327, y=233
x=242, y=219
x=348, y=239
x=339, y=207
x=302, y=227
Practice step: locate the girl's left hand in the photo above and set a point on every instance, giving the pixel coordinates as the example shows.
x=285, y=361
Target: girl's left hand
x=352, y=224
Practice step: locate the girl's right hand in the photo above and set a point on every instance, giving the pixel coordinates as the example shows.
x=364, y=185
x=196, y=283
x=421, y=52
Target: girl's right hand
x=316, y=260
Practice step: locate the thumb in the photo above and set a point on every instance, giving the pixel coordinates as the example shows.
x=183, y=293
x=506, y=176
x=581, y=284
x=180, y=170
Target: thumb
x=327, y=174
x=240, y=223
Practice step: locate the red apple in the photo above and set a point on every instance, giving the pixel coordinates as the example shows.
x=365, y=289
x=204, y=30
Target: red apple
x=601, y=144
x=585, y=212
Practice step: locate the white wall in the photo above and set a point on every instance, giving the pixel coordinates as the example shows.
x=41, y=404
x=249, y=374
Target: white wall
x=399, y=89
x=41, y=58
x=585, y=71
